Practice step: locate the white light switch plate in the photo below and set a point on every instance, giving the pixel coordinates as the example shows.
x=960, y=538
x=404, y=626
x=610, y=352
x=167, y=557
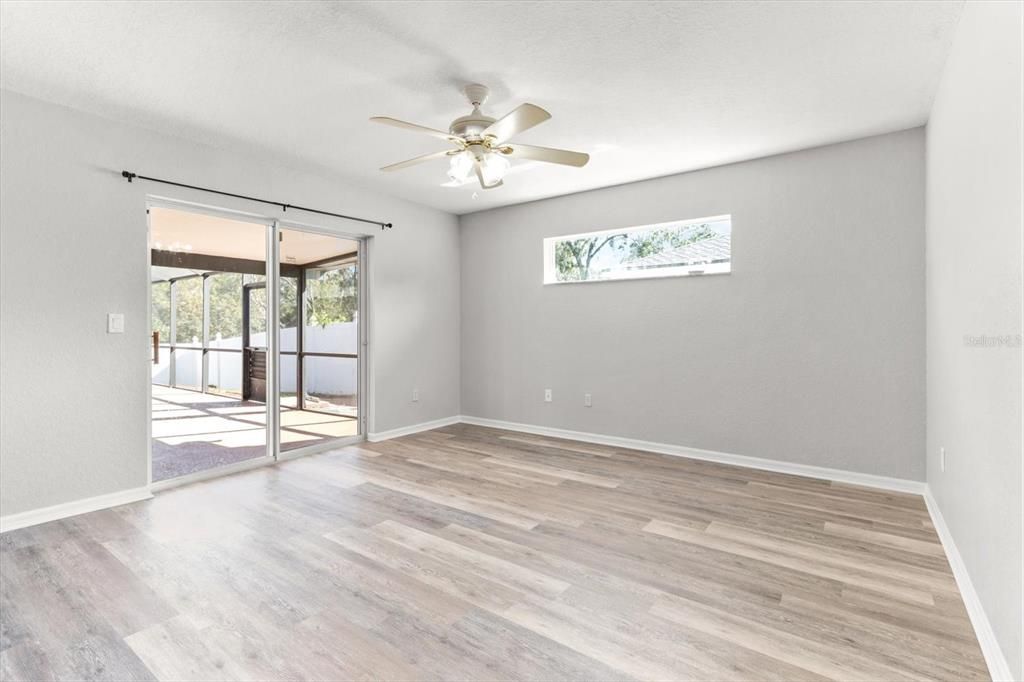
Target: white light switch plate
x=115, y=323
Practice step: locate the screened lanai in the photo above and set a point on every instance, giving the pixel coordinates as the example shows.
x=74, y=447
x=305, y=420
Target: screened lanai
x=209, y=335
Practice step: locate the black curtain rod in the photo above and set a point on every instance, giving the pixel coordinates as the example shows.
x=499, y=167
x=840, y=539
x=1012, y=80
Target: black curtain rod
x=284, y=207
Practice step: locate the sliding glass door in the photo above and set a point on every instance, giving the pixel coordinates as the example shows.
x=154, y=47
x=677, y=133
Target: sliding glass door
x=201, y=268
x=228, y=385
x=320, y=338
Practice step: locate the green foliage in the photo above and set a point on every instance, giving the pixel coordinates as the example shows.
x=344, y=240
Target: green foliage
x=189, y=309
x=162, y=310
x=657, y=241
x=332, y=296
x=574, y=258
x=225, y=305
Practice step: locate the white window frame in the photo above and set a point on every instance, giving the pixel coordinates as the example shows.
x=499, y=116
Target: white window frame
x=697, y=270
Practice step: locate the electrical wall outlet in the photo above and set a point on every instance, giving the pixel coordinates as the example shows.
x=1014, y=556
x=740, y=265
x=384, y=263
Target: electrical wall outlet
x=586, y=400
x=547, y=395
x=942, y=459
x=415, y=395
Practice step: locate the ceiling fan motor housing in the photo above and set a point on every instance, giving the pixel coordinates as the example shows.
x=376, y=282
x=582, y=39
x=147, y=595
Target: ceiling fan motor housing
x=470, y=126
x=474, y=124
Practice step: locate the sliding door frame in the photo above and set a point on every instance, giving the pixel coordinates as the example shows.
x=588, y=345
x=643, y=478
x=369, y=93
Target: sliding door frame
x=273, y=227
x=362, y=369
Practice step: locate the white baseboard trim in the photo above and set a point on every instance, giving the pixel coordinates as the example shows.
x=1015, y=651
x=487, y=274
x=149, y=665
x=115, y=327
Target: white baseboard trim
x=998, y=667
x=63, y=511
x=414, y=428
x=839, y=475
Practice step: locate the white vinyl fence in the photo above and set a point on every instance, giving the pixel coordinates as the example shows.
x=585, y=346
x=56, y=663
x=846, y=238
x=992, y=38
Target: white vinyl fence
x=324, y=376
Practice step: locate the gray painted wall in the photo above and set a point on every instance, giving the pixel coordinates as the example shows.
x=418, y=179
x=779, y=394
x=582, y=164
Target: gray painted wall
x=974, y=153
x=809, y=352
x=73, y=248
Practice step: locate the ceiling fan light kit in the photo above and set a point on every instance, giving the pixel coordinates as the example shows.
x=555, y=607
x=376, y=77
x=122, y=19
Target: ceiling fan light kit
x=482, y=146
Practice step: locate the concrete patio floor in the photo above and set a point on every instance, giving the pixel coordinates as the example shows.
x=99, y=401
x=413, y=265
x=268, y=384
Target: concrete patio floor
x=195, y=431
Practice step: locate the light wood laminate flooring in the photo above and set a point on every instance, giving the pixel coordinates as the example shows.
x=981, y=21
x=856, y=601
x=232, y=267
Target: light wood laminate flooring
x=468, y=553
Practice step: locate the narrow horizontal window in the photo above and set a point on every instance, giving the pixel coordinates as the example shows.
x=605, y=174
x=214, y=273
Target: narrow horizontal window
x=684, y=247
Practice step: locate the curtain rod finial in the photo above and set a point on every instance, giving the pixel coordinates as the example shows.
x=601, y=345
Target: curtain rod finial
x=126, y=174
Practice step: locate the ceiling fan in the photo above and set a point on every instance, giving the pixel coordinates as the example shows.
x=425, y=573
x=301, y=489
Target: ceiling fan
x=482, y=143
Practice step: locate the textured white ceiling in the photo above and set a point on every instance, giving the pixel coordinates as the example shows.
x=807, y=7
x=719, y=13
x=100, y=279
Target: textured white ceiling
x=648, y=89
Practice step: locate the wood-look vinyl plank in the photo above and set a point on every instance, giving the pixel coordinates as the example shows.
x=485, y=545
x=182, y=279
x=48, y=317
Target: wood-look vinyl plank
x=43, y=535
x=522, y=654
x=489, y=475
x=712, y=656
x=771, y=500
x=561, y=444
x=782, y=646
x=177, y=650
x=116, y=594
x=27, y=660
x=320, y=470
x=877, y=537
x=78, y=643
x=15, y=628
x=707, y=502
x=200, y=586
x=809, y=567
x=522, y=451
x=819, y=501
x=377, y=592
x=699, y=569
x=712, y=577
x=468, y=553
x=471, y=449
x=950, y=605
x=925, y=619
x=415, y=511
x=576, y=630
x=922, y=652
x=542, y=508
x=355, y=652
x=317, y=571
x=934, y=581
x=889, y=497
x=464, y=502
x=548, y=563
x=464, y=559
x=816, y=534
x=556, y=472
x=831, y=632
x=470, y=588
x=439, y=654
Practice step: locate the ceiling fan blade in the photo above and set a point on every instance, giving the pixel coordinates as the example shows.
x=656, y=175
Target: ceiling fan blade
x=478, y=167
x=523, y=117
x=548, y=155
x=418, y=159
x=388, y=121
